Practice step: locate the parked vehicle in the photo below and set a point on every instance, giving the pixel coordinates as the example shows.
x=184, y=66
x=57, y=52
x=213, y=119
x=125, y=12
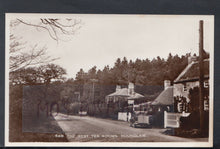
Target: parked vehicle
x=141, y=120
x=82, y=113
x=140, y=117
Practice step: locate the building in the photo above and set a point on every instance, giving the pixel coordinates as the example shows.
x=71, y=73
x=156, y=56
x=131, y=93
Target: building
x=164, y=102
x=123, y=97
x=123, y=94
x=187, y=81
x=186, y=98
x=165, y=99
x=119, y=100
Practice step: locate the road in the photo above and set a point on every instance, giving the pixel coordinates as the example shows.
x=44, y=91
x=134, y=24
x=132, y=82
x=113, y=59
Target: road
x=85, y=129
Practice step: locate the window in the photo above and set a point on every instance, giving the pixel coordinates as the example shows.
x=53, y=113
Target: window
x=180, y=107
x=206, y=102
x=184, y=88
x=168, y=108
x=159, y=109
x=206, y=84
x=206, y=105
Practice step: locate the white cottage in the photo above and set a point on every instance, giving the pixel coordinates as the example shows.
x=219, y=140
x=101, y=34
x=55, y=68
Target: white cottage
x=188, y=80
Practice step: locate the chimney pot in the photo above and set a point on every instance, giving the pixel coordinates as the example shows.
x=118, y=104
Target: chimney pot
x=131, y=88
x=192, y=59
x=118, y=87
x=167, y=84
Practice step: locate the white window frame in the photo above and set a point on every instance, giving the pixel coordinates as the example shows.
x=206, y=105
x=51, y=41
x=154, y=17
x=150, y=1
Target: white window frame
x=206, y=84
x=184, y=87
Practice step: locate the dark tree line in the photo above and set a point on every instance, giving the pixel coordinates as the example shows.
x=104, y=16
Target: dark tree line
x=140, y=72
x=43, y=74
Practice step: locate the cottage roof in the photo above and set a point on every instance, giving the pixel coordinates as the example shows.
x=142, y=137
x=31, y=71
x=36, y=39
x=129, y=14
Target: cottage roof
x=191, y=72
x=135, y=96
x=124, y=92
x=165, y=97
x=121, y=92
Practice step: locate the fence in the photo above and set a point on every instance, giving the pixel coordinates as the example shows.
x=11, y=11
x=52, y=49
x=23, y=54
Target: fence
x=172, y=120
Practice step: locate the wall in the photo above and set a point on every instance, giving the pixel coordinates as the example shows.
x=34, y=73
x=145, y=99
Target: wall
x=178, y=88
x=124, y=116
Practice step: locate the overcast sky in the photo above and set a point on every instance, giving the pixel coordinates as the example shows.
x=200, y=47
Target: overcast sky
x=104, y=38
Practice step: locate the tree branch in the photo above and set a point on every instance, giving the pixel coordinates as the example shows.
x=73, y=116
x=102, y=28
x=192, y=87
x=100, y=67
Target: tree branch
x=54, y=27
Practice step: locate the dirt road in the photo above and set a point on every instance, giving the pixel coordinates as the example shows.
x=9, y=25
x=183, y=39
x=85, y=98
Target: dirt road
x=85, y=128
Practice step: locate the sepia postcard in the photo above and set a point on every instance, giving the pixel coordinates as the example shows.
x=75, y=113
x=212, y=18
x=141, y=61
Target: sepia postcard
x=109, y=80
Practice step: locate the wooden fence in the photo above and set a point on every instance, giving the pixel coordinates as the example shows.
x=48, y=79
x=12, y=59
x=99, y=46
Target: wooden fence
x=172, y=120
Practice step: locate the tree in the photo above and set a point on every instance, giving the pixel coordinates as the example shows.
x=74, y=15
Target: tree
x=80, y=76
x=117, y=71
x=43, y=74
x=56, y=28
x=35, y=55
x=125, y=71
x=92, y=73
x=51, y=72
x=19, y=59
x=141, y=72
x=27, y=76
x=106, y=76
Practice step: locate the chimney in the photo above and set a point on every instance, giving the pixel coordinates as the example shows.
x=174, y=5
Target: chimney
x=167, y=84
x=131, y=88
x=192, y=59
x=118, y=87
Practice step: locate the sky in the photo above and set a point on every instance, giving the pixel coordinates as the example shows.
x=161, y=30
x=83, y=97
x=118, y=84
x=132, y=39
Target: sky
x=104, y=38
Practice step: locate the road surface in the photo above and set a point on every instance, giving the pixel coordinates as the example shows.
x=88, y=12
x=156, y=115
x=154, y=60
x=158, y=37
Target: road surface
x=85, y=128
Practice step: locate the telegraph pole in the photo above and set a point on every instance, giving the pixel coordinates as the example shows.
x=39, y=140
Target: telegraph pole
x=201, y=77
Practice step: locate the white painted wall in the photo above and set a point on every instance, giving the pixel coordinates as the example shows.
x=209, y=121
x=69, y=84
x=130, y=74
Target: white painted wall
x=124, y=116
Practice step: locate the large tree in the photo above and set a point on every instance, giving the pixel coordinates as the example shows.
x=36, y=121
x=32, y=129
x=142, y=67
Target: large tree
x=43, y=74
x=20, y=58
x=140, y=72
x=51, y=72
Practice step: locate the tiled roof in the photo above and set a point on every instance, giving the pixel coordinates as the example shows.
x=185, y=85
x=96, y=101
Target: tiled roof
x=121, y=92
x=124, y=92
x=191, y=72
x=135, y=96
x=165, y=98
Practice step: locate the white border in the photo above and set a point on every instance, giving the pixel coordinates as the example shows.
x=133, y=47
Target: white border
x=9, y=16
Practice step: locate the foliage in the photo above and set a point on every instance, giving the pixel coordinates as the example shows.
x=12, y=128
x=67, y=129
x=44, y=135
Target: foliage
x=16, y=132
x=37, y=75
x=194, y=98
x=193, y=121
x=147, y=75
x=20, y=58
x=56, y=28
x=140, y=72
